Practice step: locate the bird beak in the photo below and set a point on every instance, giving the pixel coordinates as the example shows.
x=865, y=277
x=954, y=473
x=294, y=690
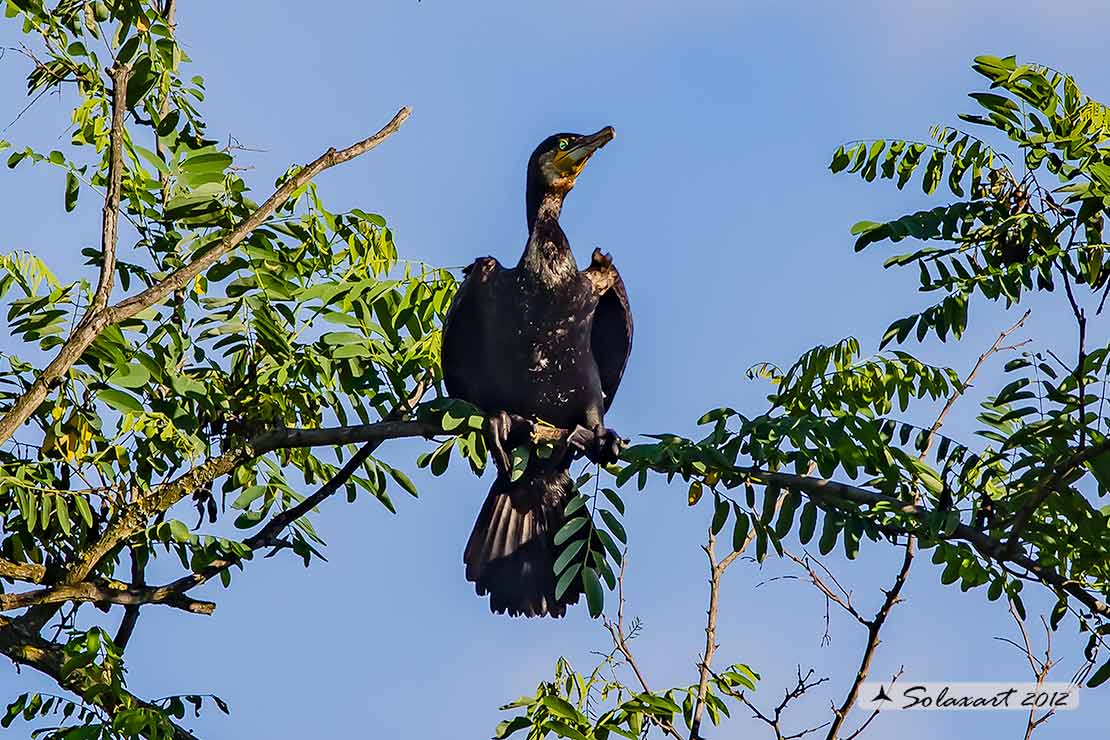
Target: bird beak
x=587, y=145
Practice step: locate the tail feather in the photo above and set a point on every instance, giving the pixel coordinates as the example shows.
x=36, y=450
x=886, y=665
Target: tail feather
x=510, y=554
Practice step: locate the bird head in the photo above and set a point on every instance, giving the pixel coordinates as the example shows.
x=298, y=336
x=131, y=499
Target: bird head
x=560, y=158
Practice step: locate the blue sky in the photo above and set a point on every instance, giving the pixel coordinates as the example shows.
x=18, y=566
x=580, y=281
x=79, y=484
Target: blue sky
x=732, y=236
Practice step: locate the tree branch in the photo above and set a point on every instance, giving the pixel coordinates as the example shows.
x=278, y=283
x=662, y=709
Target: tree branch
x=874, y=627
x=29, y=572
x=109, y=235
x=893, y=594
x=96, y=321
x=104, y=590
x=716, y=570
x=131, y=612
x=621, y=642
x=27, y=648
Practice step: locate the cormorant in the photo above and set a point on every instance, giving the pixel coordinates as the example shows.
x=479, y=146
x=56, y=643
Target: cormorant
x=547, y=341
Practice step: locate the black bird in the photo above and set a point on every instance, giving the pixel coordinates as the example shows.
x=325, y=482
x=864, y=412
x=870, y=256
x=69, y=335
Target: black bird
x=547, y=341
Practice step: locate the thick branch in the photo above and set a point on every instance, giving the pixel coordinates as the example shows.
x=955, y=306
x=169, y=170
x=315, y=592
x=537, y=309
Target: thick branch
x=29, y=572
x=27, y=648
x=97, y=321
x=104, y=591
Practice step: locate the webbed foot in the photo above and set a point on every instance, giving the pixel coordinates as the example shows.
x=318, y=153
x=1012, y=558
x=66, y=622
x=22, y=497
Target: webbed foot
x=602, y=446
x=506, y=431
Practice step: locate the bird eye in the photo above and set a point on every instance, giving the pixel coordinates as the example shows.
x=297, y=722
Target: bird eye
x=563, y=143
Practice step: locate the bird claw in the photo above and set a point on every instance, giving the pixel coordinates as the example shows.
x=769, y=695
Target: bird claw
x=602, y=446
x=506, y=431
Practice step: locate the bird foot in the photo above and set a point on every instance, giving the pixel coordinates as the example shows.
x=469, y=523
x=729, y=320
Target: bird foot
x=602, y=446
x=504, y=432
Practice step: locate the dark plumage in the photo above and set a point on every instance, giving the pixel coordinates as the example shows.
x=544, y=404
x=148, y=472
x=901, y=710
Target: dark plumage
x=542, y=340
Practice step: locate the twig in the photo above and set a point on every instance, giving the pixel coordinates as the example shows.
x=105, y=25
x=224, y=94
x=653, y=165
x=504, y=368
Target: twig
x=1040, y=668
x=967, y=381
x=620, y=641
x=871, y=718
x=841, y=597
x=109, y=236
x=775, y=722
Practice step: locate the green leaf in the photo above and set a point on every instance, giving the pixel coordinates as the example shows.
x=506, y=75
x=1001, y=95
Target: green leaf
x=569, y=529
x=720, y=516
x=121, y=401
x=614, y=526
x=72, y=188
x=566, y=579
x=828, y=535
x=614, y=499
x=575, y=504
x=564, y=730
x=808, y=522
x=595, y=597
x=1100, y=675
x=520, y=456
x=560, y=707
x=786, y=513
x=61, y=510
x=404, y=481
x=83, y=509
x=130, y=376
x=740, y=530
x=568, y=555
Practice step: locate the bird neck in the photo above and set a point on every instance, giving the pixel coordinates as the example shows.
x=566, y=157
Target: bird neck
x=543, y=204
x=547, y=256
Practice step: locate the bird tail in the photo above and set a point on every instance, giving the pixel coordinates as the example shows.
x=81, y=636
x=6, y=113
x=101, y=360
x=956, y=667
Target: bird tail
x=511, y=553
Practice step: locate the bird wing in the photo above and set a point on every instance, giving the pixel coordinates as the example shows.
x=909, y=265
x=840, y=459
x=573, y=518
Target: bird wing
x=611, y=341
x=464, y=330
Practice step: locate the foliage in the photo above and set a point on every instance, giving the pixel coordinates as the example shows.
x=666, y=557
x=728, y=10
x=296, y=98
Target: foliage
x=251, y=325
x=313, y=319
x=1020, y=504
x=573, y=705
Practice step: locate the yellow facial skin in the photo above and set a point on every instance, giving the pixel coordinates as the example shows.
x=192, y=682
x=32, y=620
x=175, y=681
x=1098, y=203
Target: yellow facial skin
x=563, y=165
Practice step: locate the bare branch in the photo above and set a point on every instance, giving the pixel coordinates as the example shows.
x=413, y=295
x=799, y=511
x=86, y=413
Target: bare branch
x=841, y=596
x=804, y=684
x=874, y=627
x=871, y=718
x=893, y=594
x=96, y=321
x=620, y=641
x=958, y=392
x=716, y=570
